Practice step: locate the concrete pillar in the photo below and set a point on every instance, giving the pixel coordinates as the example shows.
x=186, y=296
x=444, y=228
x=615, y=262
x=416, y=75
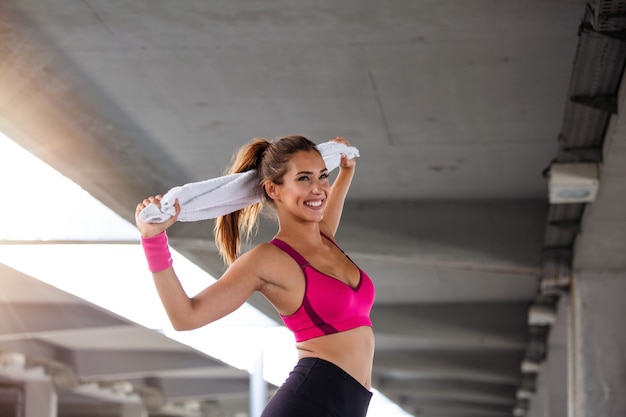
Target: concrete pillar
x=599, y=344
x=557, y=372
x=551, y=394
x=40, y=399
x=537, y=403
x=258, y=388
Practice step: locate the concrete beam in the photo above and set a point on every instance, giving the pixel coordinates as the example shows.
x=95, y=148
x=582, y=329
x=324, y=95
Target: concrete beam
x=94, y=364
x=31, y=318
x=495, y=367
x=475, y=392
x=453, y=326
x=206, y=389
x=47, y=106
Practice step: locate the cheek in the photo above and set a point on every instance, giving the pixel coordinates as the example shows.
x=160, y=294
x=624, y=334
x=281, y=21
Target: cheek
x=295, y=190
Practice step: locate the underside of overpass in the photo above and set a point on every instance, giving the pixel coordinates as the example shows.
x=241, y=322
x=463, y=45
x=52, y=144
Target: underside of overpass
x=492, y=300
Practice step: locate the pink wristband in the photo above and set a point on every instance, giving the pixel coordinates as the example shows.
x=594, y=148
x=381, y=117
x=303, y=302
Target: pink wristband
x=157, y=252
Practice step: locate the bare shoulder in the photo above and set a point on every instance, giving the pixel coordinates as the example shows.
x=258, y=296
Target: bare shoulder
x=252, y=269
x=271, y=263
x=261, y=254
x=264, y=257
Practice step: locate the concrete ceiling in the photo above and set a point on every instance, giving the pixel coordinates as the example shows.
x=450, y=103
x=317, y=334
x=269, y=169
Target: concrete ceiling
x=457, y=109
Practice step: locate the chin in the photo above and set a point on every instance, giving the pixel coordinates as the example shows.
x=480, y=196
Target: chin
x=316, y=218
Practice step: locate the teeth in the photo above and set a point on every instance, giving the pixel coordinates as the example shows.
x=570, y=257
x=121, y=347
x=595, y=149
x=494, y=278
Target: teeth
x=313, y=203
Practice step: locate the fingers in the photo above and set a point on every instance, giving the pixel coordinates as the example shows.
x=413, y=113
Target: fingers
x=156, y=200
x=341, y=139
x=148, y=229
x=174, y=218
x=346, y=162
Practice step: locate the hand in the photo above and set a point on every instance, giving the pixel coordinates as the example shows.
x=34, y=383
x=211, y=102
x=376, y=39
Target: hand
x=345, y=162
x=153, y=229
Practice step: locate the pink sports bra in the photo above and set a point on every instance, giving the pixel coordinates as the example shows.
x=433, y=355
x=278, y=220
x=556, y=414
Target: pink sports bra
x=329, y=305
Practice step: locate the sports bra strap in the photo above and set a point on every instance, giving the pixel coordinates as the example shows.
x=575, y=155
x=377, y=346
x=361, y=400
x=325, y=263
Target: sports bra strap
x=291, y=252
x=324, y=235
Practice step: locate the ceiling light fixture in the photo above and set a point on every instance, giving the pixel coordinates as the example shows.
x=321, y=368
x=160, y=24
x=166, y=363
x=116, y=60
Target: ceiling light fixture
x=523, y=394
x=539, y=315
x=530, y=367
x=573, y=182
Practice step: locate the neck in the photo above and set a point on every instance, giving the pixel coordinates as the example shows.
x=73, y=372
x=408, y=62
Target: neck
x=306, y=233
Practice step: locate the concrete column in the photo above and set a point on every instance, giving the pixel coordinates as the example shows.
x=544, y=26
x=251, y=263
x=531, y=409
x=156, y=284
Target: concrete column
x=133, y=410
x=537, y=404
x=599, y=344
x=557, y=373
x=40, y=399
x=551, y=394
x=258, y=388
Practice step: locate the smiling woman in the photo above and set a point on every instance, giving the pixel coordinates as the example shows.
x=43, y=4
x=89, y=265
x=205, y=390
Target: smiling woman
x=321, y=295
x=28, y=181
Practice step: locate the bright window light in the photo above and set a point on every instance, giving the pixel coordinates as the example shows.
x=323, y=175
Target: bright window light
x=40, y=204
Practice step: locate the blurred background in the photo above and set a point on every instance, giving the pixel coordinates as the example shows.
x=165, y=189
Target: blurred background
x=488, y=205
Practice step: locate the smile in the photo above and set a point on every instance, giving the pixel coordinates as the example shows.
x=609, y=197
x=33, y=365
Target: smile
x=316, y=203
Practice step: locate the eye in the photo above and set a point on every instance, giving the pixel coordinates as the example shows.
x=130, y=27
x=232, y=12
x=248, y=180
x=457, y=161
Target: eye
x=324, y=176
x=303, y=178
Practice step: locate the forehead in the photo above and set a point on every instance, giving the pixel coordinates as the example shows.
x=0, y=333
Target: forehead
x=306, y=161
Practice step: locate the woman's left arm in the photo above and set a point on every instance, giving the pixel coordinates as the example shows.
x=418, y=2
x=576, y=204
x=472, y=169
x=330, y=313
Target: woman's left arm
x=338, y=192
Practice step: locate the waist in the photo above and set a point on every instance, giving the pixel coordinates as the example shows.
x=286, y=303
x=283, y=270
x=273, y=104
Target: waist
x=352, y=351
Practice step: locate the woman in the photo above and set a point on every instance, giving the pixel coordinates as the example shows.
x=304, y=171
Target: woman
x=322, y=296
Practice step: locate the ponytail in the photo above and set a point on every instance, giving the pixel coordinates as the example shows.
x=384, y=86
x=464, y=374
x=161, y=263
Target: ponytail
x=271, y=160
x=228, y=228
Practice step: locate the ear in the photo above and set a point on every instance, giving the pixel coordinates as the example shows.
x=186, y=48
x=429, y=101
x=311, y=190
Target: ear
x=272, y=190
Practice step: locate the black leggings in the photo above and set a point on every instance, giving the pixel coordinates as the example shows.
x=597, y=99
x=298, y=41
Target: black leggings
x=318, y=388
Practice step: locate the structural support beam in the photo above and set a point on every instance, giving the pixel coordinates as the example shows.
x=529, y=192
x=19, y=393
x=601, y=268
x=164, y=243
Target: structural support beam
x=40, y=399
x=599, y=344
x=550, y=397
x=258, y=388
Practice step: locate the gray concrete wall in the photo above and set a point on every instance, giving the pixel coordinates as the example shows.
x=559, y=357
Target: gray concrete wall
x=599, y=344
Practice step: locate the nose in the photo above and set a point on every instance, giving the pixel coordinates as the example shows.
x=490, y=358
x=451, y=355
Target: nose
x=319, y=186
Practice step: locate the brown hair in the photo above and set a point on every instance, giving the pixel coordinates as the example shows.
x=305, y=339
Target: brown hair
x=271, y=160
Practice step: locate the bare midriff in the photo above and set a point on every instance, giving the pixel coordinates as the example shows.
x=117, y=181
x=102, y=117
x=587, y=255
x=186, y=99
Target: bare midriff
x=351, y=350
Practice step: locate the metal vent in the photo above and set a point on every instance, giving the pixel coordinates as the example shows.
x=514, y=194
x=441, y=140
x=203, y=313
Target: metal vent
x=594, y=84
x=562, y=225
x=598, y=65
x=608, y=15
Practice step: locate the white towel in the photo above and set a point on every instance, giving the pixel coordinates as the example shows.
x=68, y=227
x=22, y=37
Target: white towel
x=216, y=197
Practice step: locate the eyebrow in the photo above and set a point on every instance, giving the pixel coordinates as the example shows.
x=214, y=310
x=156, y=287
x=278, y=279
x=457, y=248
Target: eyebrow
x=309, y=172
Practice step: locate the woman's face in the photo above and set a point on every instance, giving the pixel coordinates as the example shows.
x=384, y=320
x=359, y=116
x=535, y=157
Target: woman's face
x=305, y=187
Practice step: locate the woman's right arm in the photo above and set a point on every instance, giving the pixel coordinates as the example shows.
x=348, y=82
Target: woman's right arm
x=217, y=300
x=233, y=289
